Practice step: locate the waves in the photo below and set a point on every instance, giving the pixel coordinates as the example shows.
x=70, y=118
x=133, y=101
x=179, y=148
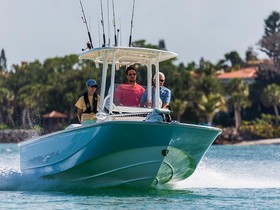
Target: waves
x=215, y=177
x=237, y=167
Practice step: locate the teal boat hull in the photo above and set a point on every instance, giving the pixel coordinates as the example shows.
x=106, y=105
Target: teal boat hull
x=141, y=154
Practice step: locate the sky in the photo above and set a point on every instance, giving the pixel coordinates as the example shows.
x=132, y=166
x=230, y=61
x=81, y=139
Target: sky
x=41, y=29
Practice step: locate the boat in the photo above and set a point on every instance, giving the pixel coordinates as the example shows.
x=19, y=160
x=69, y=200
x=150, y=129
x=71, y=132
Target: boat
x=138, y=147
x=131, y=146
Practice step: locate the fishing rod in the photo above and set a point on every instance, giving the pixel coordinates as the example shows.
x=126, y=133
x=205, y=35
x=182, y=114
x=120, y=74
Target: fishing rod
x=119, y=33
x=131, y=24
x=114, y=23
x=89, y=44
x=108, y=19
x=102, y=23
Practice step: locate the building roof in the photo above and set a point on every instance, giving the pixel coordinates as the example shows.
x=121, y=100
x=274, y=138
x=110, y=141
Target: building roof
x=246, y=73
x=54, y=114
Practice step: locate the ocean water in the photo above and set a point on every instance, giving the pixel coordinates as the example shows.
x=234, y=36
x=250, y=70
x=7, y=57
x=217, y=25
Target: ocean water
x=229, y=177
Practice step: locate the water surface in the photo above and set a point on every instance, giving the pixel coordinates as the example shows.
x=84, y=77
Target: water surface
x=229, y=177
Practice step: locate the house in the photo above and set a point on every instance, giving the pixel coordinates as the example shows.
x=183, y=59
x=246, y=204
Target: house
x=247, y=74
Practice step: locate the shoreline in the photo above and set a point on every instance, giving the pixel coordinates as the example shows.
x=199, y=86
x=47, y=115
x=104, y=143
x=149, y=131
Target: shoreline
x=259, y=142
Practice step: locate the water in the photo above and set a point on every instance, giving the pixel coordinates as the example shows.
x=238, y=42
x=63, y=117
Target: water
x=229, y=177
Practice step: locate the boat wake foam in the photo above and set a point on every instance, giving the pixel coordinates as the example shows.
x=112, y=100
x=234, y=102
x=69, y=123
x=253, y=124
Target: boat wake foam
x=203, y=177
x=13, y=180
x=218, y=177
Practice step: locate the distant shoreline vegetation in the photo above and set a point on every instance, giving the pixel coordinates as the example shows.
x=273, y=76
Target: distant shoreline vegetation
x=17, y=135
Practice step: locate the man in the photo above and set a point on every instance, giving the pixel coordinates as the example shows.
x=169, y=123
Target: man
x=164, y=92
x=129, y=93
x=88, y=103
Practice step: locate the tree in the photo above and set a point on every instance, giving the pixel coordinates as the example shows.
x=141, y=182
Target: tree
x=271, y=97
x=270, y=42
x=31, y=97
x=207, y=84
x=178, y=107
x=238, y=97
x=142, y=43
x=210, y=105
x=3, y=61
x=251, y=55
x=7, y=108
x=235, y=60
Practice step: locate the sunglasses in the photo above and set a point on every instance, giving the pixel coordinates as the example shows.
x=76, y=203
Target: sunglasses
x=162, y=80
x=132, y=74
x=94, y=86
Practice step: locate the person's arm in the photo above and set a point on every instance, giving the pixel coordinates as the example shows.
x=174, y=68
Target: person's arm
x=79, y=114
x=167, y=98
x=143, y=99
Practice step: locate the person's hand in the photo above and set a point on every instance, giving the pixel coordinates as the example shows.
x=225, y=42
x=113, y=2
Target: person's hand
x=148, y=104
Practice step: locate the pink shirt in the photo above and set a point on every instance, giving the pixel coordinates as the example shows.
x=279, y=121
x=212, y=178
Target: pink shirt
x=129, y=95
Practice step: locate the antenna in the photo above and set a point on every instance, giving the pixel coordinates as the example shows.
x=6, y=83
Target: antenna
x=102, y=23
x=131, y=24
x=89, y=44
x=114, y=23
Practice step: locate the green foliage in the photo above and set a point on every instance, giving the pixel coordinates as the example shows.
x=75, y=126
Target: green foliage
x=238, y=98
x=178, y=107
x=209, y=105
x=267, y=74
x=38, y=129
x=235, y=60
x=142, y=43
x=270, y=42
x=271, y=95
x=3, y=126
x=251, y=56
x=263, y=127
x=7, y=109
x=3, y=61
x=272, y=24
x=40, y=88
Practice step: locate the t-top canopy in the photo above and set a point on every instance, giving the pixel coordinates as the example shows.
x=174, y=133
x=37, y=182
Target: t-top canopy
x=128, y=55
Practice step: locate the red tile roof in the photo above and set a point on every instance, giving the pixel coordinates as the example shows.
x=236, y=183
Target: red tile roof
x=242, y=74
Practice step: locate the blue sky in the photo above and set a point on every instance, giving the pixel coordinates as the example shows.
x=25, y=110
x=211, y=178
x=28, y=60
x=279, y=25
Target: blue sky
x=37, y=29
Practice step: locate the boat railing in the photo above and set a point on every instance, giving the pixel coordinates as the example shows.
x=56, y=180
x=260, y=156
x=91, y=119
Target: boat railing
x=129, y=109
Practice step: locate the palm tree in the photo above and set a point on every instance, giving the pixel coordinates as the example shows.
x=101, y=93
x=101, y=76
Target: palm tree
x=6, y=101
x=238, y=98
x=179, y=106
x=210, y=105
x=31, y=98
x=271, y=97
